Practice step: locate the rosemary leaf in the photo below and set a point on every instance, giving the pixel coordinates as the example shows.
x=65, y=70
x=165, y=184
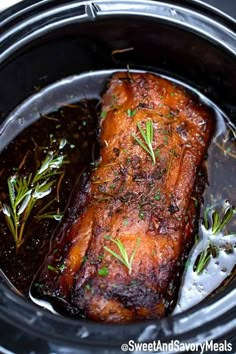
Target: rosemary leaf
x=25, y=203
x=141, y=144
x=147, y=136
x=42, y=190
x=53, y=216
x=215, y=221
x=123, y=256
x=103, y=272
x=8, y=217
x=53, y=269
x=143, y=133
x=11, y=190
x=6, y=210
x=134, y=251
x=228, y=215
x=122, y=250
x=131, y=113
x=114, y=254
x=203, y=261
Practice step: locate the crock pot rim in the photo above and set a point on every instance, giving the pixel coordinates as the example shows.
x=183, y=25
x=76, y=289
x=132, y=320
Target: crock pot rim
x=98, y=8
x=26, y=5
x=13, y=12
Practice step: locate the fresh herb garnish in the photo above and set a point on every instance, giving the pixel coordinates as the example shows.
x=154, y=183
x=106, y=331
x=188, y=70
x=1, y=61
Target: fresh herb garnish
x=157, y=196
x=170, y=115
x=147, y=136
x=53, y=269
x=141, y=215
x=126, y=222
x=215, y=223
x=24, y=193
x=131, y=112
x=166, y=140
x=38, y=285
x=84, y=259
x=51, y=215
x=157, y=153
x=57, y=269
x=123, y=256
x=62, y=267
x=103, y=271
x=103, y=114
x=202, y=261
x=213, y=219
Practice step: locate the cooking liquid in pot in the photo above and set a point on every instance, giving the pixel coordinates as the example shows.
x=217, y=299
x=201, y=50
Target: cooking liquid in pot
x=65, y=119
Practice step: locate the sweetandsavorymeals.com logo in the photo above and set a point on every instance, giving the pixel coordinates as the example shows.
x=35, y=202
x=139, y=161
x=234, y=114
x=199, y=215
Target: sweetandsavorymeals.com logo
x=177, y=346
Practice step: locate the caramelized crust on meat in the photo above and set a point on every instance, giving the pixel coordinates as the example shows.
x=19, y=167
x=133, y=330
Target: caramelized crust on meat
x=149, y=207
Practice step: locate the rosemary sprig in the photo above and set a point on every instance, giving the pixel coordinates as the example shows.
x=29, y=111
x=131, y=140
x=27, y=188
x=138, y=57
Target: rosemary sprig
x=147, y=136
x=203, y=260
x=131, y=112
x=204, y=257
x=50, y=215
x=123, y=256
x=215, y=222
x=212, y=218
x=24, y=192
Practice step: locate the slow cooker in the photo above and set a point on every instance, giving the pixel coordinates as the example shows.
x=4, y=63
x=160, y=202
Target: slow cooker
x=189, y=40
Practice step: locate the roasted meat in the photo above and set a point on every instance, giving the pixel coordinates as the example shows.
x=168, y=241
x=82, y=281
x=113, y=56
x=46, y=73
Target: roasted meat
x=118, y=254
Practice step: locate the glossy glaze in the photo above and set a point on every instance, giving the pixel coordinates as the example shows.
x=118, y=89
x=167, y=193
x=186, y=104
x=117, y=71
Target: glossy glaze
x=148, y=206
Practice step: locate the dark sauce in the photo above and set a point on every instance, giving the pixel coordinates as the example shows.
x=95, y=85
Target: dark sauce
x=69, y=111
x=77, y=125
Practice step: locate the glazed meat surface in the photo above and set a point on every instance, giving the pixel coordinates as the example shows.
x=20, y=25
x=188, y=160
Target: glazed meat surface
x=146, y=203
